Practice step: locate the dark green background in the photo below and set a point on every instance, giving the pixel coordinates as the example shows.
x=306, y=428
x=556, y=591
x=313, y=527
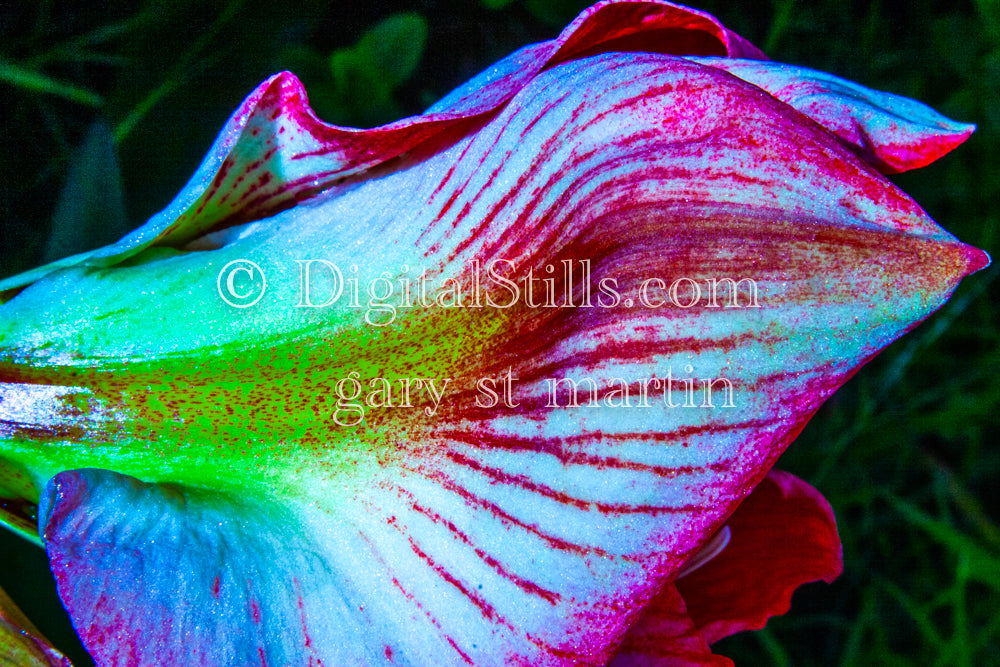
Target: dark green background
x=118, y=102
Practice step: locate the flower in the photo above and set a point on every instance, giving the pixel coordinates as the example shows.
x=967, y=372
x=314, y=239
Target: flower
x=515, y=362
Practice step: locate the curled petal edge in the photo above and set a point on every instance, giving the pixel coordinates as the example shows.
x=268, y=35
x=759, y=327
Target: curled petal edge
x=274, y=152
x=891, y=132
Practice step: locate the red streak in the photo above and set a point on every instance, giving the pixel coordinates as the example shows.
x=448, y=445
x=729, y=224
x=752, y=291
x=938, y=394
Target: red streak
x=527, y=586
x=485, y=608
x=564, y=498
x=497, y=511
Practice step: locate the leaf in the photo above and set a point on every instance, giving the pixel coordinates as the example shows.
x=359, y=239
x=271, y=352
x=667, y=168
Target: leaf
x=21, y=644
x=90, y=212
x=983, y=565
x=394, y=47
x=495, y=4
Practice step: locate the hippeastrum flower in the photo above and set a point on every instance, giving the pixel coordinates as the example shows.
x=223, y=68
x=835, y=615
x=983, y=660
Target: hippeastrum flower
x=379, y=457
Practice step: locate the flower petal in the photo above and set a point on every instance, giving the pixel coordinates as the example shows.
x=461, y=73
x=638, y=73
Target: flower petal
x=274, y=152
x=666, y=636
x=891, y=132
x=632, y=25
x=782, y=536
x=163, y=574
x=645, y=166
x=193, y=578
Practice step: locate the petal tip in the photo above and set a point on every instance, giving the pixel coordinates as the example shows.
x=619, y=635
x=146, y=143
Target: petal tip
x=976, y=260
x=965, y=130
x=935, y=145
x=66, y=485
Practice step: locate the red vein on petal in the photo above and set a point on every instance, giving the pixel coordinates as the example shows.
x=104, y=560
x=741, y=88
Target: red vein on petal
x=525, y=585
x=676, y=434
x=472, y=499
x=485, y=608
x=563, y=498
x=412, y=598
x=638, y=350
x=451, y=642
x=556, y=447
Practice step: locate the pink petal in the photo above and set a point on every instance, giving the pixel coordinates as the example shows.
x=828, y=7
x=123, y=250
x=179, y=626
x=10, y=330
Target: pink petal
x=159, y=575
x=891, y=132
x=274, y=152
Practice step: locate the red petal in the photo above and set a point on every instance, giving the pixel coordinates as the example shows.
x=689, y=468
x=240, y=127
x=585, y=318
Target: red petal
x=783, y=535
x=656, y=27
x=625, y=25
x=666, y=636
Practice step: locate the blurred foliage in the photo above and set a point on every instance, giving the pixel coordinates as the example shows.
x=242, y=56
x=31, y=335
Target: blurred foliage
x=907, y=453
x=357, y=84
